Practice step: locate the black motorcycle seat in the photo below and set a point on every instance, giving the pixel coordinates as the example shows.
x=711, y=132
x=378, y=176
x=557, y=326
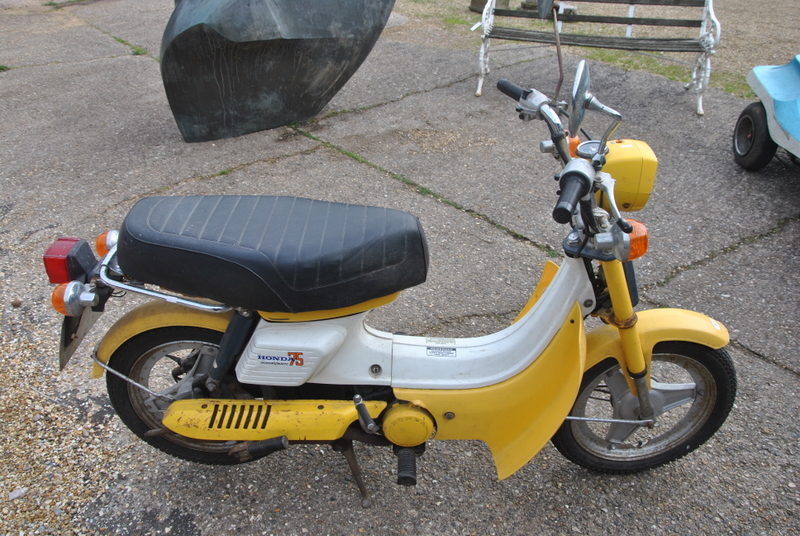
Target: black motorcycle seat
x=272, y=253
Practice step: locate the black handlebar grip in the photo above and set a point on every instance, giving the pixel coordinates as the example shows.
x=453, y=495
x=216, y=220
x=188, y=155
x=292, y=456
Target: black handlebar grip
x=573, y=187
x=510, y=88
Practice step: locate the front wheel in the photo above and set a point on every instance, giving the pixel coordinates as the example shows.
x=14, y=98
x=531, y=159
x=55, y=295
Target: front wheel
x=753, y=147
x=692, y=390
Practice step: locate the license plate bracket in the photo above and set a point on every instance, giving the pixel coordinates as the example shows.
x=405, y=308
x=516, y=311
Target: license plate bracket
x=73, y=330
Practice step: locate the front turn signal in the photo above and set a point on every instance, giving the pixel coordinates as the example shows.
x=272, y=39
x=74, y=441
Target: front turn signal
x=638, y=238
x=573, y=145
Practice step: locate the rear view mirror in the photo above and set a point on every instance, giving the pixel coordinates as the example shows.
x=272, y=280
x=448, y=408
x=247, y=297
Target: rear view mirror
x=580, y=97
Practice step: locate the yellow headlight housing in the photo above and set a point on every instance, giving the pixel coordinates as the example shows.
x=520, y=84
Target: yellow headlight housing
x=633, y=164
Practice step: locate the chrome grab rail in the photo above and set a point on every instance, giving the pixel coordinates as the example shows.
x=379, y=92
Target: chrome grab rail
x=170, y=298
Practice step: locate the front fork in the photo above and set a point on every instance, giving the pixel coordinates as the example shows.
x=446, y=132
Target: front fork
x=625, y=320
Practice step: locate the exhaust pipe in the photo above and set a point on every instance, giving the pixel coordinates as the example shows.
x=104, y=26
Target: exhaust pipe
x=253, y=450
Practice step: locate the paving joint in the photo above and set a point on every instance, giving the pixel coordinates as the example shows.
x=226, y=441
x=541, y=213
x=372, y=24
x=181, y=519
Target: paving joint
x=714, y=255
x=197, y=178
x=752, y=353
x=428, y=192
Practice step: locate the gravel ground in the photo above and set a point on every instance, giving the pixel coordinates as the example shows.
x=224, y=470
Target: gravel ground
x=70, y=466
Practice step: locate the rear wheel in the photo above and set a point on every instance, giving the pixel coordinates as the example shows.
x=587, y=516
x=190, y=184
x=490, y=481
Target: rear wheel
x=753, y=147
x=160, y=360
x=692, y=389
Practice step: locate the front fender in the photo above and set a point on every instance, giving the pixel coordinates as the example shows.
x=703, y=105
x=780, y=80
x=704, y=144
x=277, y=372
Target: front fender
x=153, y=315
x=655, y=326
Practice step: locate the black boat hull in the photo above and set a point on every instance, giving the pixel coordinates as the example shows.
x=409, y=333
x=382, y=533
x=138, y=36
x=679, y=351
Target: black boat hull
x=231, y=67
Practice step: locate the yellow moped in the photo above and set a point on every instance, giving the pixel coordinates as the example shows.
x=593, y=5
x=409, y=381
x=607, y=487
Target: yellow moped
x=256, y=338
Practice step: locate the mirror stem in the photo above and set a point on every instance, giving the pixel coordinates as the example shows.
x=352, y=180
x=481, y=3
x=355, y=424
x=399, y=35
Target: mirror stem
x=558, y=54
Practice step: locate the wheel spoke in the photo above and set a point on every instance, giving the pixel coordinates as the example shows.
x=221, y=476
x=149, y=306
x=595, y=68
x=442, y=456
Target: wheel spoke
x=617, y=385
x=618, y=432
x=150, y=362
x=674, y=394
x=174, y=358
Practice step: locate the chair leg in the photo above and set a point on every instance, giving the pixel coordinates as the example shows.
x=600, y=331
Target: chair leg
x=700, y=75
x=483, y=65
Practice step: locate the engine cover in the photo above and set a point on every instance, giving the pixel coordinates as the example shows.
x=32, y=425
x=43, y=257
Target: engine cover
x=407, y=425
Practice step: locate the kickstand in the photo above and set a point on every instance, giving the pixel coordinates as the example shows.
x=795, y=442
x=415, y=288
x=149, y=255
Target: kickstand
x=345, y=446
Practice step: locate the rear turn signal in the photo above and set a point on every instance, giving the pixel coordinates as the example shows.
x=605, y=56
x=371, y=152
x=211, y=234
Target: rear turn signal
x=71, y=298
x=105, y=242
x=58, y=299
x=639, y=240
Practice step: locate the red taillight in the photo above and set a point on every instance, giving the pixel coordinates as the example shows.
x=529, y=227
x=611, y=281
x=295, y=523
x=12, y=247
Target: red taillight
x=69, y=259
x=56, y=260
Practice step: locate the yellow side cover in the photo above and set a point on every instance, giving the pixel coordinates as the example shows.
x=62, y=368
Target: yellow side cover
x=517, y=417
x=255, y=420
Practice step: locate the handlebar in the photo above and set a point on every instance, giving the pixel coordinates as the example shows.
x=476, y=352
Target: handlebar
x=576, y=181
x=535, y=104
x=510, y=89
x=572, y=189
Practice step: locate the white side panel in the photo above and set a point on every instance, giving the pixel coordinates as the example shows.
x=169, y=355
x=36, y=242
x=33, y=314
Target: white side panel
x=365, y=358
x=288, y=354
x=435, y=363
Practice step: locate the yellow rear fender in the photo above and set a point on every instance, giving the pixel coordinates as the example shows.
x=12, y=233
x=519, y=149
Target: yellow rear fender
x=154, y=315
x=655, y=326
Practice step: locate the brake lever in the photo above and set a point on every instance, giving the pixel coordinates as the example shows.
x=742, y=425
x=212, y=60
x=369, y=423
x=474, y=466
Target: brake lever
x=605, y=183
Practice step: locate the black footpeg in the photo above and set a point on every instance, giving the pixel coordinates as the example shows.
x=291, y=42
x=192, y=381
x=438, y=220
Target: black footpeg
x=406, y=467
x=247, y=450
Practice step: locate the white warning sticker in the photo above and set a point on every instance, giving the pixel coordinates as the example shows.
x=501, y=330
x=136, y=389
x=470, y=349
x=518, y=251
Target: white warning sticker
x=438, y=351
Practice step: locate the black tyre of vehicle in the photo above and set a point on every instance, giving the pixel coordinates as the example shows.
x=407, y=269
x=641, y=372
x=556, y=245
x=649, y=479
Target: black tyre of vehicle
x=149, y=359
x=693, y=388
x=753, y=147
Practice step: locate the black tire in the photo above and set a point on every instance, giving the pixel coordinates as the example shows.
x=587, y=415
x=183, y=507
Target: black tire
x=149, y=359
x=753, y=147
x=697, y=412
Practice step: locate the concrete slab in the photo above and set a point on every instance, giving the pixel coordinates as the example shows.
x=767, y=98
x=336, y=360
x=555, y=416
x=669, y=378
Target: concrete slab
x=90, y=133
x=751, y=289
x=42, y=36
x=139, y=23
x=478, y=154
